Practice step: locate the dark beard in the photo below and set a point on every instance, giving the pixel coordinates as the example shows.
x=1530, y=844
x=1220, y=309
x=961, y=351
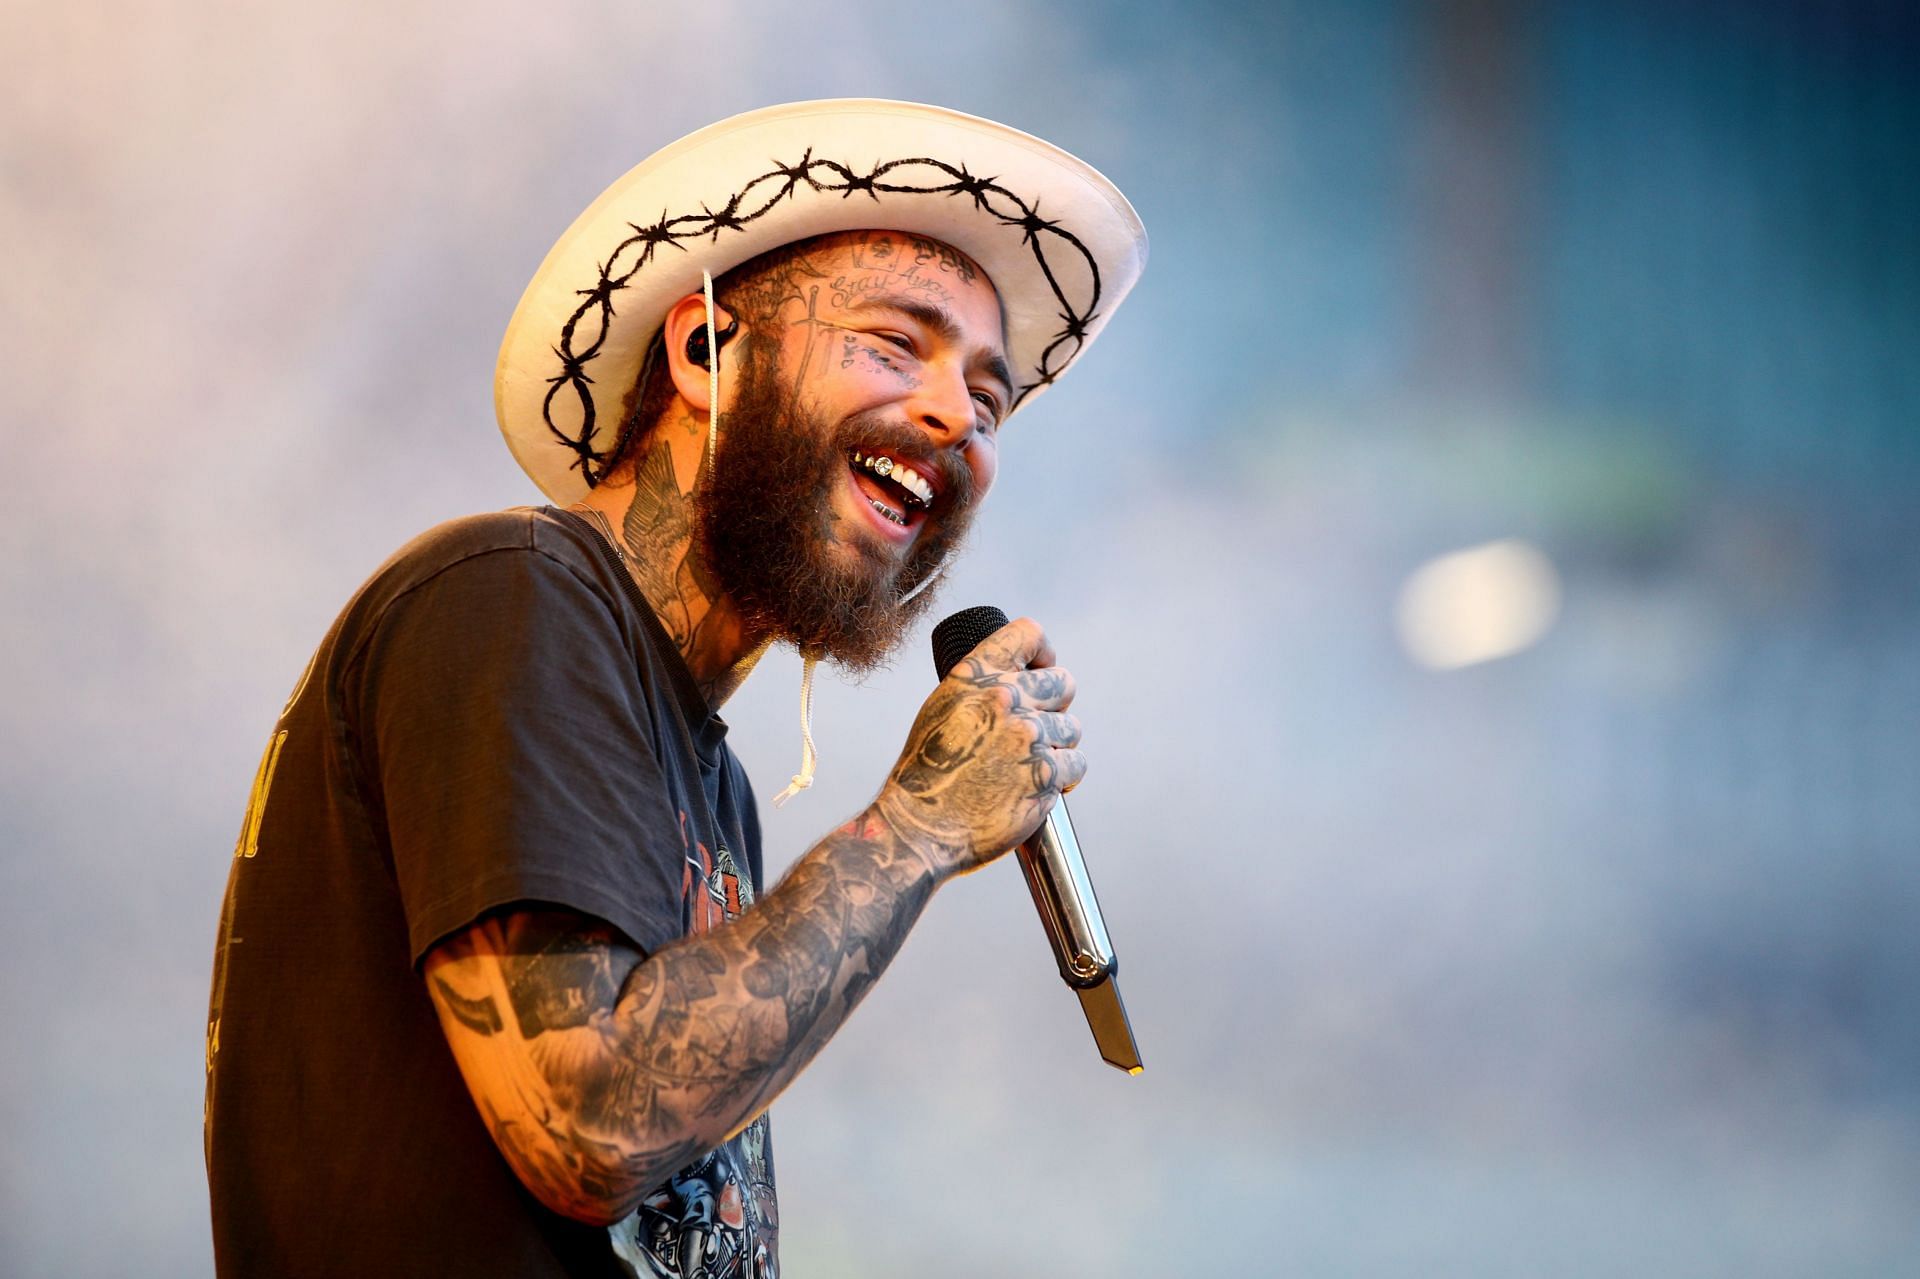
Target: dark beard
x=766, y=525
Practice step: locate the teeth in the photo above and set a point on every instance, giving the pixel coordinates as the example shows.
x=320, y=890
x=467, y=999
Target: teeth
x=887, y=511
x=900, y=473
x=914, y=483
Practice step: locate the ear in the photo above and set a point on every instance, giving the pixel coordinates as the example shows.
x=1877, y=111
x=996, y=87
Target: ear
x=683, y=319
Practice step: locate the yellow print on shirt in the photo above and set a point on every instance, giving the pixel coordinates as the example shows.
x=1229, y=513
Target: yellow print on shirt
x=249, y=842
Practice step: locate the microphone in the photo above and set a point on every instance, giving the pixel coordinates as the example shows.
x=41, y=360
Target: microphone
x=1057, y=877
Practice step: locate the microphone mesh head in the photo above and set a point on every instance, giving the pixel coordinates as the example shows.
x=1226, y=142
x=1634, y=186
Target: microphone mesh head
x=959, y=634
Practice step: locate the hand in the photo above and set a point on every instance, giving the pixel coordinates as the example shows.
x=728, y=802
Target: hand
x=990, y=753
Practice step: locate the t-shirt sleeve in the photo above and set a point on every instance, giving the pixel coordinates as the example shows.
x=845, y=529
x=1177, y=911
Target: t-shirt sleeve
x=508, y=748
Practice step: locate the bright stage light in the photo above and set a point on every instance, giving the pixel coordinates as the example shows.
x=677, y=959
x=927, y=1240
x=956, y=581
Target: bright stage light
x=1477, y=604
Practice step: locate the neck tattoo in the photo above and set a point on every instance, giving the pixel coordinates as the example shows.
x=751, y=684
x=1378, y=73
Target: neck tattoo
x=724, y=866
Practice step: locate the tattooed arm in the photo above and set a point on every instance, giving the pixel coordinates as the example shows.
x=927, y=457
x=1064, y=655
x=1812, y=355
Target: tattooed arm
x=601, y=1072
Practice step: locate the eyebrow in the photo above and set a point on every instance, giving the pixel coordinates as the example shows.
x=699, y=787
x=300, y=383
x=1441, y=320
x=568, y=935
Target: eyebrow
x=939, y=320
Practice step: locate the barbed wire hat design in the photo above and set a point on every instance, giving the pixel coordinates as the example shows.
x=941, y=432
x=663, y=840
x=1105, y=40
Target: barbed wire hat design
x=1060, y=243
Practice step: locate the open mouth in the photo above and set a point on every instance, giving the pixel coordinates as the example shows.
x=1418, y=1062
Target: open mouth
x=898, y=492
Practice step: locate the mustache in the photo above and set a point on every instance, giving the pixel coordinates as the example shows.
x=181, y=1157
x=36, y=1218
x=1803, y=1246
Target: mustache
x=953, y=477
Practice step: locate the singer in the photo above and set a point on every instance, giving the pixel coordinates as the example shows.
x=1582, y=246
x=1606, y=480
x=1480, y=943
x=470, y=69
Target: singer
x=497, y=989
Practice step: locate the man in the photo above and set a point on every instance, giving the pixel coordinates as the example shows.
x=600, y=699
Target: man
x=497, y=990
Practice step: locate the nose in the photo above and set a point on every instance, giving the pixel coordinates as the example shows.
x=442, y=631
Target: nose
x=943, y=406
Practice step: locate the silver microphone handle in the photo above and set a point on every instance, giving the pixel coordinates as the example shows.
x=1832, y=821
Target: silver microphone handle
x=1057, y=877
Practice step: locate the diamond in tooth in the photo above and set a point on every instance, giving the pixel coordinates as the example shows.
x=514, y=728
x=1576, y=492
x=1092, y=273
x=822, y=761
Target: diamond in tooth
x=902, y=474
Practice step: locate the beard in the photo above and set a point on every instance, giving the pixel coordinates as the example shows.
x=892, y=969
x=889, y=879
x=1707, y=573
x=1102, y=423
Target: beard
x=769, y=532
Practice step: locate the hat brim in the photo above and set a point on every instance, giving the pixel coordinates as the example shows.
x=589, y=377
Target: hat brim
x=1060, y=243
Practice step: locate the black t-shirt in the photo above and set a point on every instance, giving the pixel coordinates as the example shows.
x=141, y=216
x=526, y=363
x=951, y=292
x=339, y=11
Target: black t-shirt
x=495, y=718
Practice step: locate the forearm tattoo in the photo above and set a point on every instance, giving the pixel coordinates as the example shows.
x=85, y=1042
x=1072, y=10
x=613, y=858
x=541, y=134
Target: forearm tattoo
x=601, y=1074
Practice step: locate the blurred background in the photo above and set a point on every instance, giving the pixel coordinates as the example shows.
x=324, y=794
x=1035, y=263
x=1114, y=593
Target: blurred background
x=1491, y=578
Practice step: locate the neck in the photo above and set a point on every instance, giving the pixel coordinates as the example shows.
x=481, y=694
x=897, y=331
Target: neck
x=649, y=507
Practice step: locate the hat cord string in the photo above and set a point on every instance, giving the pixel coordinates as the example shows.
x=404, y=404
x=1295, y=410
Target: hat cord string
x=808, y=758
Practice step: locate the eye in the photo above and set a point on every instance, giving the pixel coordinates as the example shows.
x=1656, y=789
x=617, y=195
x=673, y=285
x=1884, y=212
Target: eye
x=986, y=401
x=900, y=340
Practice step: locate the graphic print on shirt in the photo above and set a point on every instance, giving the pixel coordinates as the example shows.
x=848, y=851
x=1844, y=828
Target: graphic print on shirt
x=712, y=890
x=715, y=1218
x=245, y=849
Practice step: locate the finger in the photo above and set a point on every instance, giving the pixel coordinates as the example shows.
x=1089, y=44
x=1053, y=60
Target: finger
x=1048, y=688
x=1056, y=769
x=1068, y=767
x=1014, y=647
x=1043, y=654
x=1057, y=728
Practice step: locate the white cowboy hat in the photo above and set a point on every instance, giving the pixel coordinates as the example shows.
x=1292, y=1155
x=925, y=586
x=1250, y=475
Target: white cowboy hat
x=1060, y=243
